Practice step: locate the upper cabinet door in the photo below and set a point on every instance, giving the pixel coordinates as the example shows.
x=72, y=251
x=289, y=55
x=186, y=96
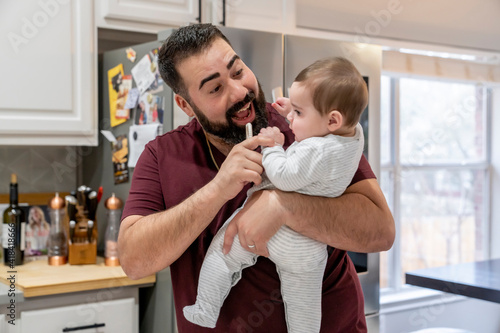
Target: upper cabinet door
x=162, y=12
x=49, y=73
x=264, y=15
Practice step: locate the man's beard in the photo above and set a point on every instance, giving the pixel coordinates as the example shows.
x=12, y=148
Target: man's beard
x=230, y=132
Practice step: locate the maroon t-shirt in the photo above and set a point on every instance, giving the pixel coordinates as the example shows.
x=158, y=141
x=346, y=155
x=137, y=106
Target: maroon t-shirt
x=177, y=164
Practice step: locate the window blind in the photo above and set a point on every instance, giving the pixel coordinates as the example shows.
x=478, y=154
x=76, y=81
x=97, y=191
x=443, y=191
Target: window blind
x=438, y=67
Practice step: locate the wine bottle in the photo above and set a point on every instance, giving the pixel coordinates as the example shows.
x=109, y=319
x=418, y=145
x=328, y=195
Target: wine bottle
x=13, y=229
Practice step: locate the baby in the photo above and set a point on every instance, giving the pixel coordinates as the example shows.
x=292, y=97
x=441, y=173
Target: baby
x=326, y=101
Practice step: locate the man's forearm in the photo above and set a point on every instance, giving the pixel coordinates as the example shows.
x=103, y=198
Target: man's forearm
x=148, y=244
x=359, y=220
x=151, y=243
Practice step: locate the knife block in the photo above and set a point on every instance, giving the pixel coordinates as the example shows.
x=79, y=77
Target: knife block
x=81, y=251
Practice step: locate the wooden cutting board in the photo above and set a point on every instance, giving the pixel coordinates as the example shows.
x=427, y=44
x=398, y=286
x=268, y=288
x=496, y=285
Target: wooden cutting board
x=37, y=278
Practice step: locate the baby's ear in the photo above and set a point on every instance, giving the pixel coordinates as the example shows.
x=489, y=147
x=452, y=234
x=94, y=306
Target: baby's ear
x=335, y=120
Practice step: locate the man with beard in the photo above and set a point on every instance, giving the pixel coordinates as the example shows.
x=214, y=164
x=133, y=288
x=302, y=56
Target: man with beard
x=189, y=181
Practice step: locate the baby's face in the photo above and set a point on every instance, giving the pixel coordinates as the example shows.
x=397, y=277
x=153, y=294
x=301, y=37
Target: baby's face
x=305, y=120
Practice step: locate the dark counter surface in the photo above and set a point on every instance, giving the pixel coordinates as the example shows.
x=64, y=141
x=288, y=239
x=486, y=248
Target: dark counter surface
x=479, y=280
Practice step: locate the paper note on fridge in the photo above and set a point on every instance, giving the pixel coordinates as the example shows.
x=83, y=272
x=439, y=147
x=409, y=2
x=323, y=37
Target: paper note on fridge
x=132, y=98
x=138, y=136
x=109, y=135
x=143, y=76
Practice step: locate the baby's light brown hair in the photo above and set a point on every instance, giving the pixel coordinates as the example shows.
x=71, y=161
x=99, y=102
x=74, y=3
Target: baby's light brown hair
x=336, y=84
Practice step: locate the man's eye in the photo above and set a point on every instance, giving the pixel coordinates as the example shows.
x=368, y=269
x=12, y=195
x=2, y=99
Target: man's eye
x=238, y=73
x=215, y=90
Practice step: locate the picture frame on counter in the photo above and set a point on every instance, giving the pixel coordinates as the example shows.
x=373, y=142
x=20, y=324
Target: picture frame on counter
x=37, y=230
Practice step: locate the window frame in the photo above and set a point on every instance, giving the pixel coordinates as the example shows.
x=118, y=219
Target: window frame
x=395, y=284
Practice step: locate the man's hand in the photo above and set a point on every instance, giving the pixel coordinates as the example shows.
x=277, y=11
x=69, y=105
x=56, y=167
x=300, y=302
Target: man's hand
x=258, y=221
x=242, y=165
x=359, y=220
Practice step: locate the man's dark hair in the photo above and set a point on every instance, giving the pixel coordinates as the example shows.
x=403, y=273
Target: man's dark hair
x=181, y=44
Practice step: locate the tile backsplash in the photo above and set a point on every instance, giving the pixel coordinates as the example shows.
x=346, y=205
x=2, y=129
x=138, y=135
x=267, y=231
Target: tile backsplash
x=40, y=169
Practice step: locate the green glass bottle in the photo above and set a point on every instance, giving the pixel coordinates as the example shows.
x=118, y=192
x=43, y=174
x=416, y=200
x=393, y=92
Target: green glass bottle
x=13, y=229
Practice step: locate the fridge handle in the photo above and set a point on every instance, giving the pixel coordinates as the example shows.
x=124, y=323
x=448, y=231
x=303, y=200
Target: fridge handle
x=223, y=22
x=199, y=12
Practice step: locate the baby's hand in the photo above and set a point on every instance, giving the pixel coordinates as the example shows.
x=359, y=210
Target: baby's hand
x=273, y=133
x=283, y=106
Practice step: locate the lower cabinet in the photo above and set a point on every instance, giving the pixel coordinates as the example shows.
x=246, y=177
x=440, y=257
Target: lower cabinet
x=103, y=317
x=2, y=323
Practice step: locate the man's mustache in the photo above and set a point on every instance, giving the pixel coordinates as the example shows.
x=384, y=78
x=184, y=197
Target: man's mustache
x=237, y=107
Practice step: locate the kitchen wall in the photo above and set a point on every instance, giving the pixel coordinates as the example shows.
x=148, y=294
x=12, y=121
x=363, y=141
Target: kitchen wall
x=40, y=169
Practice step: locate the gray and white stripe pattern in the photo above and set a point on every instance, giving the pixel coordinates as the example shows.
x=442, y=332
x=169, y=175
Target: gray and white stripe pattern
x=315, y=166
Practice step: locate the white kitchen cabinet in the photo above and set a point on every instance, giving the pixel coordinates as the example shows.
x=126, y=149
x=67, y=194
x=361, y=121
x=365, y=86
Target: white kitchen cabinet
x=263, y=15
x=153, y=16
x=103, y=317
x=163, y=12
x=49, y=73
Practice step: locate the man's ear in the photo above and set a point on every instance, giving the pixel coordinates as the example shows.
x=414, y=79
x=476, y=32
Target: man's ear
x=184, y=105
x=335, y=120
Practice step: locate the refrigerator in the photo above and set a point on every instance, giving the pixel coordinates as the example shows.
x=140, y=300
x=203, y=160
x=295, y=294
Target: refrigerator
x=156, y=308
x=275, y=59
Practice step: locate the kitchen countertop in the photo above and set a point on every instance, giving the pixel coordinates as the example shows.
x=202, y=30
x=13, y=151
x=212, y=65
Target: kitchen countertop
x=37, y=278
x=479, y=280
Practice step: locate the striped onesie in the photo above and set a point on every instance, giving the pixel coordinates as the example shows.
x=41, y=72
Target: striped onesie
x=319, y=166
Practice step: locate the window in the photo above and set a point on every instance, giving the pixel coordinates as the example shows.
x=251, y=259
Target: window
x=434, y=173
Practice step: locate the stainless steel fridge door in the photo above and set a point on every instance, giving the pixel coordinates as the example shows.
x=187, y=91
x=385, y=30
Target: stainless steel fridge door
x=262, y=52
x=157, y=307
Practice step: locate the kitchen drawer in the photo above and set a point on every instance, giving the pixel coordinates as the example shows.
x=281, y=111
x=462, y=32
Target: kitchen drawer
x=117, y=316
x=3, y=323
